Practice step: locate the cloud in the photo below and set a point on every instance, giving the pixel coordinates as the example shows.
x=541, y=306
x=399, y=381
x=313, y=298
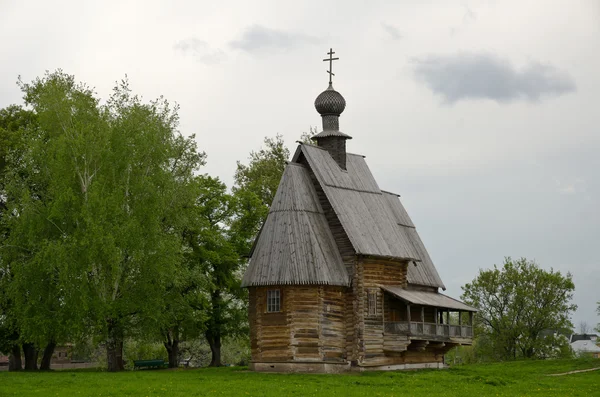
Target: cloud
x=256, y=38
x=392, y=31
x=200, y=50
x=486, y=76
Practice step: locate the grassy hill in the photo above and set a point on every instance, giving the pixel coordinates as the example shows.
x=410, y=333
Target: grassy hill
x=523, y=378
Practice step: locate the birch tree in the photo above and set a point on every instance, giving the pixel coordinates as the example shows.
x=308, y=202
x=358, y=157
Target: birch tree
x=104, y=236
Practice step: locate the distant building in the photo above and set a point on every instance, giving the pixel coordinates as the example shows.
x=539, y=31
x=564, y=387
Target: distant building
x=585, y=344
x=339, y=278
x=62, y=354
x=590, y=337
x=586, y=347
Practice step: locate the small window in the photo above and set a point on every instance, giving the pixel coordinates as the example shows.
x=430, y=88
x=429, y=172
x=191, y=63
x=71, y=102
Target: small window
x=372, y=303
x=273, y=301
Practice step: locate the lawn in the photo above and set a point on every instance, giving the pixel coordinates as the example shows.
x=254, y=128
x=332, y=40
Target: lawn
x=524, y=378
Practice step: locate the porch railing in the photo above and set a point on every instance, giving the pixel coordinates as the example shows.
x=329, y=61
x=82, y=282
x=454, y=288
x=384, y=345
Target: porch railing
x=428, y=329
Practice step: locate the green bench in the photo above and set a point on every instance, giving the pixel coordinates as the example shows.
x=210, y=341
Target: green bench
x=149, y=364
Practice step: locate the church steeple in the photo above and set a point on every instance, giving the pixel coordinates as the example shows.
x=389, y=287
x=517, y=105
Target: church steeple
x=330, y=104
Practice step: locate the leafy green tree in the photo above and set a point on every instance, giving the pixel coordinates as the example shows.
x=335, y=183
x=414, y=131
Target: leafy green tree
x=185, y=303
x=14, y=121
x=97, y=239
x=255, y=185
x=516, y=303
x=214, y=248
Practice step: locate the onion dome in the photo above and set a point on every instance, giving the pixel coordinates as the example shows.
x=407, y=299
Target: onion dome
x=330, y=102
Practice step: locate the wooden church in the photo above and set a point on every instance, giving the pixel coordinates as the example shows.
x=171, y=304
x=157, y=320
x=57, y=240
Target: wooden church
x=339, y=278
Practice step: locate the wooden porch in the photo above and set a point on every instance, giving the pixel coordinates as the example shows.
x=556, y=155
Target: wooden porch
x=423, y=330
x=435, y=319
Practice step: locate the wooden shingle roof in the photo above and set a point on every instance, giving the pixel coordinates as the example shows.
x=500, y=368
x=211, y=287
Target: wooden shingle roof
x=424, y=272
x=360, y=206
x=427, y=298
x=295, y=245
x=374, y=220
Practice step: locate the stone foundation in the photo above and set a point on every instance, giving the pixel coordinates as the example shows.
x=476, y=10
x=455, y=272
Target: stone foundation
x=302, y=367
x=336, y=368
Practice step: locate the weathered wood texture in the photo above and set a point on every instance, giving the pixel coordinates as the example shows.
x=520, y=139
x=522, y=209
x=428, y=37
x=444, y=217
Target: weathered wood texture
x=269, y=332
x=427, y=298
x=424, y=272
x=295, y=245
x=310, y=327
x=360, y=205
x=370, y=274
x=342, y=241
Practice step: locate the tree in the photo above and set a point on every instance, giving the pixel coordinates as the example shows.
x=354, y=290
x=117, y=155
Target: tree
x=254, y=189
x=517, y=302
x=214, y=250
x=227, y=227
x=584, y=327
x=598, y=311
x=185, y=303
x=14, y=121
x=95, y=242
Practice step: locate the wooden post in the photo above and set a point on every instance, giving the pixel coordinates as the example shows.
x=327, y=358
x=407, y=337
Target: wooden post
x=408, y=316
x=459, y=317
x=435, y=315
x=422, y=314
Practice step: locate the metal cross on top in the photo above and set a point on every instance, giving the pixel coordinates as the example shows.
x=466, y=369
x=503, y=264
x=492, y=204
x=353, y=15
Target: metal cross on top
x=330, y=59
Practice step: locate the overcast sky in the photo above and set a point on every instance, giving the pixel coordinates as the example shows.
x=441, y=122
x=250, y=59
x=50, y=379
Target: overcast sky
x=484, y=116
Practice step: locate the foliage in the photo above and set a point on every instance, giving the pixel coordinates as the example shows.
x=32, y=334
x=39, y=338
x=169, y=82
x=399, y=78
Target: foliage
x=14, y=121
x=235, y=351
x=95, y=226
x=517, y=304
x=499, y=379
x=254, y=190
x=213, y=248
x=598, y=310
x=306, y=137
x=139, y=350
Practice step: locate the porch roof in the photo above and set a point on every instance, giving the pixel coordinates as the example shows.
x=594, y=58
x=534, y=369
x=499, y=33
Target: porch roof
x=427, y=298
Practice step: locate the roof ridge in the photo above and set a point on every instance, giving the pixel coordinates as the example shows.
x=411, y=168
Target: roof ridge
x=392, y=193
x=351, y=189
x=312, y=212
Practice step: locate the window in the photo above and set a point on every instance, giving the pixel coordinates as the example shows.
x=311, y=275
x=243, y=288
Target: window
x=372, y=303
x=273, y=301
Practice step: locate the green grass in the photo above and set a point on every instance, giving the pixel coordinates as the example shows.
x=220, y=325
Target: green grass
x=524, y=378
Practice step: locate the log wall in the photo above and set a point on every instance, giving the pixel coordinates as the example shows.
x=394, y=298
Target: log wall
x=369, y=275
x=310, y=327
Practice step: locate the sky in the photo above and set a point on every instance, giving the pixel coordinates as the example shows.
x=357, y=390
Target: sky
x=483, y=115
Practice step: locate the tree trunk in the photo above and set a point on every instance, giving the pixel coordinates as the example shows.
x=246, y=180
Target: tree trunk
x=173, y=351
x=14, y=359
x=114, y=348
x=214, y=341
x=31, y=356
x=213, y=332
x=47, y=356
